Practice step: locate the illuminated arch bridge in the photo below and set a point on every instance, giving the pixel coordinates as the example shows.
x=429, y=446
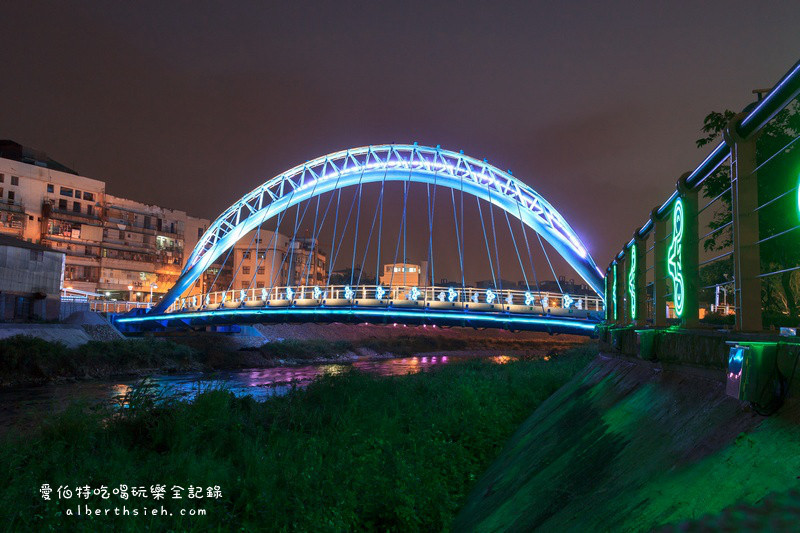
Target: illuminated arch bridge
x=298, y=195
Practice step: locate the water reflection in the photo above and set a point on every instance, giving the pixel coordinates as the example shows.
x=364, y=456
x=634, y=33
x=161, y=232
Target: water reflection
x=30, y=403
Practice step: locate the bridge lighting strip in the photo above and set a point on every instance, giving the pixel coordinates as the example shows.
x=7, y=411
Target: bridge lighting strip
x=391, y=313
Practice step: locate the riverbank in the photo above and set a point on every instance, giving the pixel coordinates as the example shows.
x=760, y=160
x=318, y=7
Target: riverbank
x=27, y=360
x=351, y=451
x=632, y=445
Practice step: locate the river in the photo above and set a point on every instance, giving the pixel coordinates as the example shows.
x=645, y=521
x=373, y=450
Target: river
x=23, y=407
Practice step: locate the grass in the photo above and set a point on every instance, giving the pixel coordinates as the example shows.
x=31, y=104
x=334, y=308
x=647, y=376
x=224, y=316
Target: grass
x=27, y=358
x=352, y=451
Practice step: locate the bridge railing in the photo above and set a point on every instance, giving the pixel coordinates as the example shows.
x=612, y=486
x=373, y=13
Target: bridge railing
x=344, y=295
x=116, y=306
x=724, y=248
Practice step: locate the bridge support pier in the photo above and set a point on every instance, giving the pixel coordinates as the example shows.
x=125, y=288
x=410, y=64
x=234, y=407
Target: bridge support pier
x=744, y=202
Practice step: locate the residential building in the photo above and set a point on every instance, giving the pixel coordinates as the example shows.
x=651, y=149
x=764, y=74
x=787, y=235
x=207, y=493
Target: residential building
x=404, y=275
x=121, y=248
x=265, y=259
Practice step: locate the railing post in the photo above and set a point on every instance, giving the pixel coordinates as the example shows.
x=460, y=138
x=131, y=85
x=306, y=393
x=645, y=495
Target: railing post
x=622, y=288
x=659, y=270
x=619, y=303
x=746, y=253
x=609, y=295
x=689, y=255
x=638, y=280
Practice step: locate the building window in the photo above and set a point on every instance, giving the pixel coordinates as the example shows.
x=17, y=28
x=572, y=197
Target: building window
x=244, y=285
x=14, y=180
x=77, y=193
x=76, y=207
x=88, y=196
x=259, y=284
x=2, y=178
x=89, y=209
x=66, y=191
x=245, y=270
x=200, y=231
x=11, y=197
x=50, y=187
x=62, y=204
x=246, y=255
x=260, y=270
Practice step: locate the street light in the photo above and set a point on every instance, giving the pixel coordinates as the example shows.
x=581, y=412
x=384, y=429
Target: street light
x=152, y=286
x=130, y=292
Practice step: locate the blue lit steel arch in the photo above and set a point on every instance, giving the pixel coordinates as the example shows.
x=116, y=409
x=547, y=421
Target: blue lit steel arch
x=389, y=162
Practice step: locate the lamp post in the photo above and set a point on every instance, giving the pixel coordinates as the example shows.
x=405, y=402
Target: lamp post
x=130, y=293
x=152, y=286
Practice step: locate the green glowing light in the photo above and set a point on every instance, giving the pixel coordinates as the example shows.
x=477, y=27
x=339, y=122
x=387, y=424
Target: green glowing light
x=614, y=291
x=798, y=199
x=632, y=282
x=674, y=257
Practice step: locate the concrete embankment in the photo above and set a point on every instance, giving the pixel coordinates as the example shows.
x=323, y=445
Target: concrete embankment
x=630, y=445
x=78, y=329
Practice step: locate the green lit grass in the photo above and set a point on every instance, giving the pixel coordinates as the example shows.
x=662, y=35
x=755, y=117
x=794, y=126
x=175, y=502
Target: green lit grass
x=351, y=451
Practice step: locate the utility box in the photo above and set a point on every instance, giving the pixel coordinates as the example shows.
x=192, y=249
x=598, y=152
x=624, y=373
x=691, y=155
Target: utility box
x=752, y=371
x=646, y=343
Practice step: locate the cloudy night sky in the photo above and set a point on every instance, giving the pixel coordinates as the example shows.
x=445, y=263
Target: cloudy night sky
x=596, y=105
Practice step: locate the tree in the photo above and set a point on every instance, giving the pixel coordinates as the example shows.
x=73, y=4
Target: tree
x=778, y=163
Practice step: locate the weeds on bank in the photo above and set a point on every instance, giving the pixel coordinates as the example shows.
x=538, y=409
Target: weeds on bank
x=352, y=451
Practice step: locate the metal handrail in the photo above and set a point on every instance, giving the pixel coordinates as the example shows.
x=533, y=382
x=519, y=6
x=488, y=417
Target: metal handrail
x=393, y=294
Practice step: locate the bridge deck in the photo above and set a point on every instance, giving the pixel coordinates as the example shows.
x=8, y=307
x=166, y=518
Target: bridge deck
x=481, y=315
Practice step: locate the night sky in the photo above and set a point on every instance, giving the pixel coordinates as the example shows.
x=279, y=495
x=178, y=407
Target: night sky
x=596, y=105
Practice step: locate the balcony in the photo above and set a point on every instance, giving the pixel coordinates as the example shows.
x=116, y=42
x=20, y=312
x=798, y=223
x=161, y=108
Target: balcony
x=126, y=225
x=72, y=216
x=11, y=206
x=143, y=264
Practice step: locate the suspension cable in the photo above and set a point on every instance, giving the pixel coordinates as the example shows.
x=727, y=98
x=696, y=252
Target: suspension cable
x=549, y=263
x=486, y=240
x=519, y=258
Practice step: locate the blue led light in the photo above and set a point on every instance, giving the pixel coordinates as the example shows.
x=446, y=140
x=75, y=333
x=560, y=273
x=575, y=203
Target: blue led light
x=529, y=299
x=316, y=293
x=441, y=297
x=567, y=301
x=361, y=312
x=348, y=293
x=414, y=294
x=289, y=293
x=490, y=296
x=380, y=292
x=452, y=294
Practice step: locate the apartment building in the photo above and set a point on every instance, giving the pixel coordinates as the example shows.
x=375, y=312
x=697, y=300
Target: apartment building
x=265, y=259
x=114, y=246
x=405, y=275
